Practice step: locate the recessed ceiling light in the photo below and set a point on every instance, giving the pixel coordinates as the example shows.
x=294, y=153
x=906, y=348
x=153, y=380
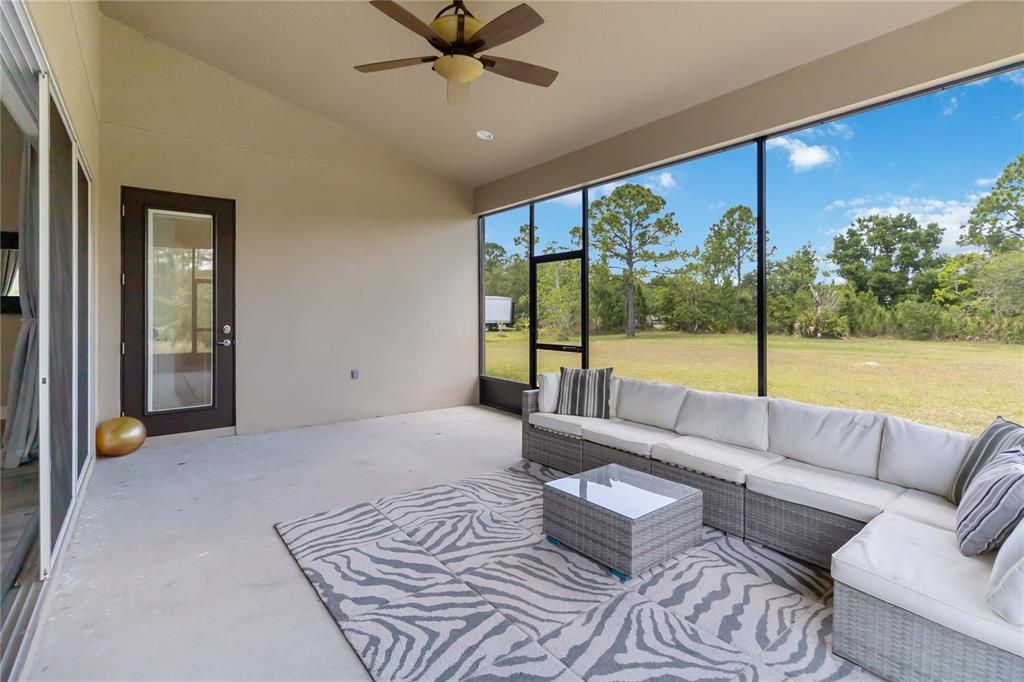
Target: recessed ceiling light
x=485, y=135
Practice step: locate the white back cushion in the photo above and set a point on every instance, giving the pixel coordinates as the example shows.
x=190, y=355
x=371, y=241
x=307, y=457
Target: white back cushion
x=921, y=457
x=736, y=419
x=649, y=403
x=547, y=399
x=834, y=438
x=613, y=398
x=1006, y=586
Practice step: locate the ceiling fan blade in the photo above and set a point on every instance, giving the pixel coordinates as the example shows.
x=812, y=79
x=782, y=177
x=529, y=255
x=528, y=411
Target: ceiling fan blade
x=394, y=64
x=516, y=22
x=520, y=71
x=411, y=22
x=458, y=93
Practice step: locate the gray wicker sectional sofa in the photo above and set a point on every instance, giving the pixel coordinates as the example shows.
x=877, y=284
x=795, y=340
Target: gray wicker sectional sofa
x=861, y=493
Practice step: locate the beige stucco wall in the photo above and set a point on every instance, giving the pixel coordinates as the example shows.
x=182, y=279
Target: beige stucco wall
x=964, y=40
x=70, y=35
x=348, y=256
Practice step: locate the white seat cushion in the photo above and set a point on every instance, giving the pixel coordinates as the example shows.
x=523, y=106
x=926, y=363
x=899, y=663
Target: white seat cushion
x=855, y=497
x=918, y=567
x=564, y=423
x=710, y=457
x=923, y=457
x=844, y=440
x=646, y=402
x=926, y=508
x=627, y=436
x=736, y=419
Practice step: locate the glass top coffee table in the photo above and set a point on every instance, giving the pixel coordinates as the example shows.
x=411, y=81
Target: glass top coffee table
x=625, y=519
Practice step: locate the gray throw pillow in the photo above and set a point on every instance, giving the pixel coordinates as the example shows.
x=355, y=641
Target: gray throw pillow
x=1000, y=436
x=585, y=392
x=993, y=505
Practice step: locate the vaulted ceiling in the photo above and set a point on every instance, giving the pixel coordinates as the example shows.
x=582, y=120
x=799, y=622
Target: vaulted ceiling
x=622, y=64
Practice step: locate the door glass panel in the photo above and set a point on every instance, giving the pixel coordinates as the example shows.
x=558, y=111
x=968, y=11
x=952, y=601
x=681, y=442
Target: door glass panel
x=559, y=310
x=179, y=304
x=84, y=427
x=557, y=224
x=506, y=323
x=19, y=367
x=61, y=312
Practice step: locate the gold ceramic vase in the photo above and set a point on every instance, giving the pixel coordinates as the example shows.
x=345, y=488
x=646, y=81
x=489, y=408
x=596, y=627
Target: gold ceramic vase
x=120, y=436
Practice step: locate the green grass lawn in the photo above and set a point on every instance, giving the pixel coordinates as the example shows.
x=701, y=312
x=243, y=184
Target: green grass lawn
x=954, y=384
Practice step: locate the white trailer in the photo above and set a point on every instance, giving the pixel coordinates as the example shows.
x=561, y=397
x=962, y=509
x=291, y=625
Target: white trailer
x=497, y=310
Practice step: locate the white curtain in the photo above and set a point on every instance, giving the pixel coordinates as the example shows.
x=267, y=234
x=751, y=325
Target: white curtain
x=8, y=270
x=21, y=439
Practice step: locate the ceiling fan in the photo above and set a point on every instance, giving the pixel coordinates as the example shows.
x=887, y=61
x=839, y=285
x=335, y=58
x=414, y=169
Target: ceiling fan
x=460, y=37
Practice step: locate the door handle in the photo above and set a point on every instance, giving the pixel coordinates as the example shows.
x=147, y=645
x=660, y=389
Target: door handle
x=225, y=342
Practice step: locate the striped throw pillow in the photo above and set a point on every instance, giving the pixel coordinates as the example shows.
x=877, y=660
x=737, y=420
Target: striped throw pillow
x=1000, y=436
x=993, y=504
x=585, y=392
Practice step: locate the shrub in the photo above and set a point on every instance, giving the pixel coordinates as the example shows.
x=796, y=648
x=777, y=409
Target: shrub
x=920, y=320
x=824, y=325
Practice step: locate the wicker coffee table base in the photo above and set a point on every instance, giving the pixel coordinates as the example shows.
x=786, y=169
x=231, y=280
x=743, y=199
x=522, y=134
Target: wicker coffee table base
x=627, y=546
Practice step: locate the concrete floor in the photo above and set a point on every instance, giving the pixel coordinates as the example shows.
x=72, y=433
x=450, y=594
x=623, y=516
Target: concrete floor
x=175, y=571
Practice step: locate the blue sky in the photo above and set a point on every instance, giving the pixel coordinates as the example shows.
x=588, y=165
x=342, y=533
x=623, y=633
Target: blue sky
x=931, y=156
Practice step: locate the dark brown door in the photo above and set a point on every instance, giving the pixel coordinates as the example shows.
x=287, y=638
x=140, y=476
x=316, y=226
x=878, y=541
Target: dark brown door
x=178, y=310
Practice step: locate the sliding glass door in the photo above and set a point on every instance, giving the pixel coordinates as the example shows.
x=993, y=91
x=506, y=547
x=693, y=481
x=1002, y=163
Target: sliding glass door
x=62, y=287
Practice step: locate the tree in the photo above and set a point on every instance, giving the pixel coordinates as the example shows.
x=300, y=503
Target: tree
x=882, y=254
x=559, y=315
x=997, y=220
x=731, y=243
x=607, y=298
x=789, y=289
x=494, y=256
x=796, y=272
x=1000, y=284
x=628, y=227
x=955, y=279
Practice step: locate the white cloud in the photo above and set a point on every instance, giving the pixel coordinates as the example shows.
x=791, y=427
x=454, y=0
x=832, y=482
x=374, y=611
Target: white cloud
x=607, y=188
x=985, y=182
x=665, y=180
x=848, y=203
x=839, y=129
x=983, y=81
x=803, y=156
x=1015, y=77
x=950, y=106
x=948, y=214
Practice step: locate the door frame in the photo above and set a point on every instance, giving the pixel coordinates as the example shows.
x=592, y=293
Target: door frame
x=223, y=412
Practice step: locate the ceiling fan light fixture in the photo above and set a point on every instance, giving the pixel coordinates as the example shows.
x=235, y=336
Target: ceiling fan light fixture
x=447, y=27
x=458, y=67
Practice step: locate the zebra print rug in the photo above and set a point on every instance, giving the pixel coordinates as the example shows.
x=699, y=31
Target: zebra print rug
x=456, y=582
